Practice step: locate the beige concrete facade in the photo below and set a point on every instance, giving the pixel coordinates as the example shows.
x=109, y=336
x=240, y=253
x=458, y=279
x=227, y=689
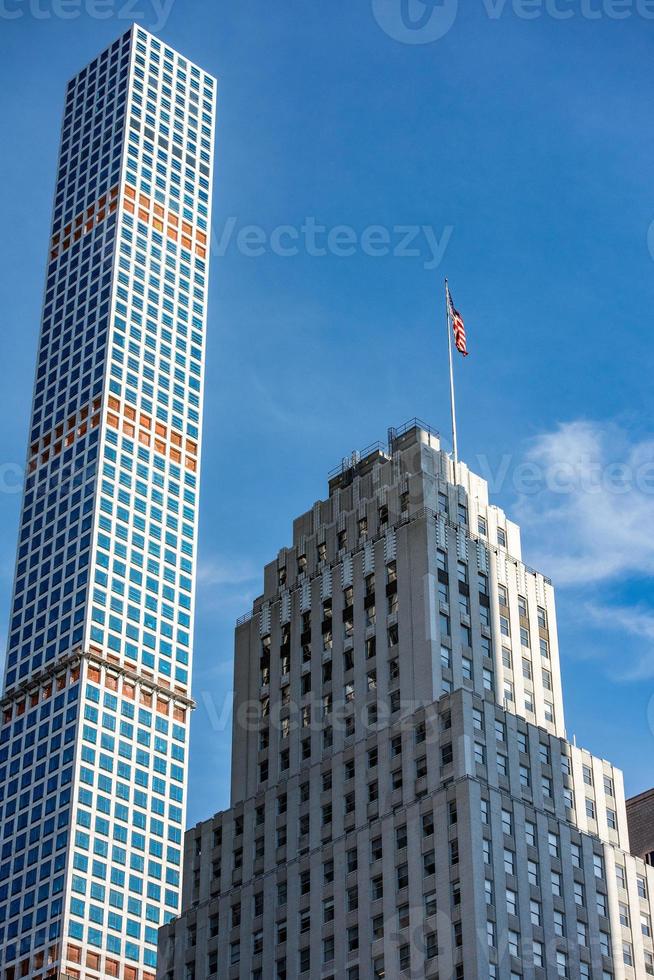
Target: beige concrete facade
x=404, y=800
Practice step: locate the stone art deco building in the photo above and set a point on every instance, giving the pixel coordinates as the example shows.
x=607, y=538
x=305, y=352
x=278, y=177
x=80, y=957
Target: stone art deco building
x=404, y=799
x=96, y=700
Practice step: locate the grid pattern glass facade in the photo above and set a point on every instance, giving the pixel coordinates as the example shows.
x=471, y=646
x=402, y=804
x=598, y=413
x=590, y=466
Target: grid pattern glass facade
x=96, y=701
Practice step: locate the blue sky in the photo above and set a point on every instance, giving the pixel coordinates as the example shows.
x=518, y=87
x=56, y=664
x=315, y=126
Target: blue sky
x=522, y=148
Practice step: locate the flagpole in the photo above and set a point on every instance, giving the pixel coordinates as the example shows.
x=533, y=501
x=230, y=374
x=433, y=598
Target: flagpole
x=455, y=446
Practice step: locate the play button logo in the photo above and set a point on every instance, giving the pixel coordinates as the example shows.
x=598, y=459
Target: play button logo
x=415, y=21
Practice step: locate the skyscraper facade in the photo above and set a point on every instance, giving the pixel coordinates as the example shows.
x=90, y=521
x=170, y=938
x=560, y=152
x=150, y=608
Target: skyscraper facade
x=405, y=803
x=640, y=818
x=97, y=689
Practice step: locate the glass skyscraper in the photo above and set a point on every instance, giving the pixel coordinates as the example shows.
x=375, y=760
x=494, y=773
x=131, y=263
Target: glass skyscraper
x=97, y=688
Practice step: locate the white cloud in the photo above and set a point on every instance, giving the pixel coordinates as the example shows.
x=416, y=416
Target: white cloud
x=586, y=519
x=590, y=519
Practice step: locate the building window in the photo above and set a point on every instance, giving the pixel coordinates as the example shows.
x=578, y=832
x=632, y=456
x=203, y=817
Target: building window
x=532, y=873
x=559, y=923
x=490, y=934
x=328, y=949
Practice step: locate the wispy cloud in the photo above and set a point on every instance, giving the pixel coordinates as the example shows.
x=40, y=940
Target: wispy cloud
x=216, y=570
x=586, y=522
x=594, y=503
x=628, y=623
x=226, y=586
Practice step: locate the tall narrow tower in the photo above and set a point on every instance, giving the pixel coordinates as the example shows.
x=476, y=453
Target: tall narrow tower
x=96, y=700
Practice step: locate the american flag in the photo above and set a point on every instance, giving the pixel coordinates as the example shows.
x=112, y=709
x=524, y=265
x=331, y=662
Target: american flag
x=457, y=325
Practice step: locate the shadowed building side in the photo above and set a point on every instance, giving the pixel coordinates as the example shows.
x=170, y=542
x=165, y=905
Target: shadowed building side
x=640, y=817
